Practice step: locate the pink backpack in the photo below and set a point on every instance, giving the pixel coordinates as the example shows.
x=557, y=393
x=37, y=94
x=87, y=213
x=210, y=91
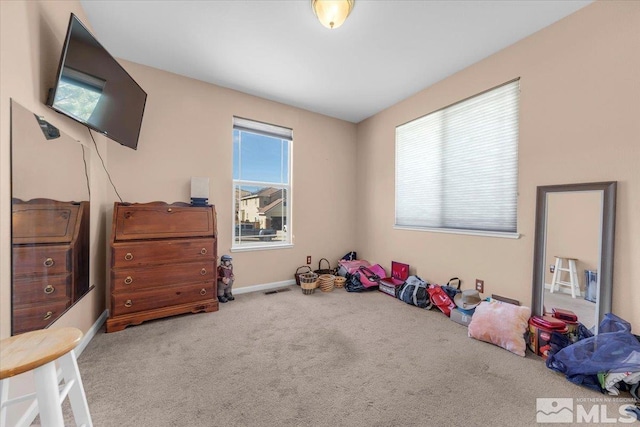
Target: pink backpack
x=349, y=267
x=370, y=276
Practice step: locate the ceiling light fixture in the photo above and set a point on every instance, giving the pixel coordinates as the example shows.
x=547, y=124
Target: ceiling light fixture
x=332, y=13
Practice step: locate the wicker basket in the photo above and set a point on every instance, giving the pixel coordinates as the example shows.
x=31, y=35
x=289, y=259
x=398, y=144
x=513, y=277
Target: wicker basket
x=321, y=271
x=308, y=283
x=339, y=281
x=326, y=282
x=298, y=273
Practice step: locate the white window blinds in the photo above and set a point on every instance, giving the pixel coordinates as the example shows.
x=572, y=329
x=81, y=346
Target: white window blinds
x=457, y=168
x=262, y=128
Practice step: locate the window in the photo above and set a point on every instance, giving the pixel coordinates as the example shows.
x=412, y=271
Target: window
x=457, y=168
x=261, y=185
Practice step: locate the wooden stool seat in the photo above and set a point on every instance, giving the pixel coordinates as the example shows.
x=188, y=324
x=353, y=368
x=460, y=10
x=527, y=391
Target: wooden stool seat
x=38, y=351
x=570, y=268
x=22, y=353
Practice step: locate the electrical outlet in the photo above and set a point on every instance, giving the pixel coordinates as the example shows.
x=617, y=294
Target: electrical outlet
x=480, y=285
x=309, y=260
x=552, y=268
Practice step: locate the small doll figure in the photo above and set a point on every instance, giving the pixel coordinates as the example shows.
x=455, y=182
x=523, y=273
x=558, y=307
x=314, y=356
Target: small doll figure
x=225, y=279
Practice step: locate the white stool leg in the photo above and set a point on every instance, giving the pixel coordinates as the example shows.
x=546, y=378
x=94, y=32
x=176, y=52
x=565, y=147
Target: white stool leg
x=4, y=397
x=27, y=416
x=48, y=395
x=573, y=273
x=556, y=273
x=77, y=397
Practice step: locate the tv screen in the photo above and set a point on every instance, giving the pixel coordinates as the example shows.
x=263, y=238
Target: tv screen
x=93, y=88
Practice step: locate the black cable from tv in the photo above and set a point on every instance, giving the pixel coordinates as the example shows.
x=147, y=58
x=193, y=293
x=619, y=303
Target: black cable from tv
x=86, y=172
x=103, y=166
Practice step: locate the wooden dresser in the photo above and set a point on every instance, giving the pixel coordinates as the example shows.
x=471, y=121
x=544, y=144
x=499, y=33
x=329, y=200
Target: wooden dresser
x=163, y=262
x=50, y=260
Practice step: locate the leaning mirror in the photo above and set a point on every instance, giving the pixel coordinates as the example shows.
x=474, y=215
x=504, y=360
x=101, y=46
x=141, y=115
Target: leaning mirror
x=573, y=254
x=49, y=221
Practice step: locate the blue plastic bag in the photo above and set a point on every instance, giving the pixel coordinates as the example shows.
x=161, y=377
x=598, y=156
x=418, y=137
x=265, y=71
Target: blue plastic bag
x=613, y=323
x=617, y=351
x=608, y=352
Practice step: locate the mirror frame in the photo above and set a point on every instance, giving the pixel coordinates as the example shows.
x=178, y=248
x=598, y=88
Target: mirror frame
x=607, y=237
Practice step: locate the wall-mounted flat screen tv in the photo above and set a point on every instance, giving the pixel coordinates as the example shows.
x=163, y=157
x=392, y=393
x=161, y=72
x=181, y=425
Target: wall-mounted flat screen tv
x=95, y=90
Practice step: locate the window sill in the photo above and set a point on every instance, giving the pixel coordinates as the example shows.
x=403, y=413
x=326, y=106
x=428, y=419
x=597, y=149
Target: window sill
x=503, y=235
x=248, y=248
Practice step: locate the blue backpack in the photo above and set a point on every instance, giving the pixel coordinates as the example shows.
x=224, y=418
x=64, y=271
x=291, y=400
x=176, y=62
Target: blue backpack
x=414, y=292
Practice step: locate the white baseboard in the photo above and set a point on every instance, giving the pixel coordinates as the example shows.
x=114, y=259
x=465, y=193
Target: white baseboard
x=263, y=287
x=93, y=330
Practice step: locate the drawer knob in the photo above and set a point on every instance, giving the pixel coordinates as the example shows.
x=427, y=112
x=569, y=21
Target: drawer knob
x=203, y=271
x=48, y=315
x=49, y=289
x=203, y=291
x=203, y=251
x=128, y=280
x=128, y=303
x=128, y=256
x=48, y=262
x=169, y=210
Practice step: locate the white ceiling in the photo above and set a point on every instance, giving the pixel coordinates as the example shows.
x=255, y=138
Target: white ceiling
x=386, y=51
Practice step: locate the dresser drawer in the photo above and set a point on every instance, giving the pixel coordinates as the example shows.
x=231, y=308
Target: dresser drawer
x=163, y=221
x=41, y=260
x=37, y=316
x=41, y=289
x=132, y=302
x=163, y=251
x=132, y=279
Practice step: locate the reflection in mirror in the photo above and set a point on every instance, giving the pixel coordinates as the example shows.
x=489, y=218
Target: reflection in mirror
x=78, y=93
x=50, y=221
x=572, y=253
x=573, y=261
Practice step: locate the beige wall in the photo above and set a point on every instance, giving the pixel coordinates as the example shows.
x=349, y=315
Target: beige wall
x=187, y=131
x=578, y=123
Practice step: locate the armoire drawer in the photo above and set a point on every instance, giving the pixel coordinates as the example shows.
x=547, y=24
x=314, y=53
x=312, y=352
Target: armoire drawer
x=37, y=316
x=162, y=251
x=41, y=260
x=41, y=289
x=132, y=279
x=149, y=299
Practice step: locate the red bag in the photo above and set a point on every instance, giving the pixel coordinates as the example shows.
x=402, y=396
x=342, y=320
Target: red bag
x=370, y=276
x=441, y=299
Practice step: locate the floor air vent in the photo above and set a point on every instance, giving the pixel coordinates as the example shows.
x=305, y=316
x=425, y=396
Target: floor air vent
x=275, y=291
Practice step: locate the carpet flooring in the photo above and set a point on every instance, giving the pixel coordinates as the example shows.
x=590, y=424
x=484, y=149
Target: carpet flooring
x=326, y=359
